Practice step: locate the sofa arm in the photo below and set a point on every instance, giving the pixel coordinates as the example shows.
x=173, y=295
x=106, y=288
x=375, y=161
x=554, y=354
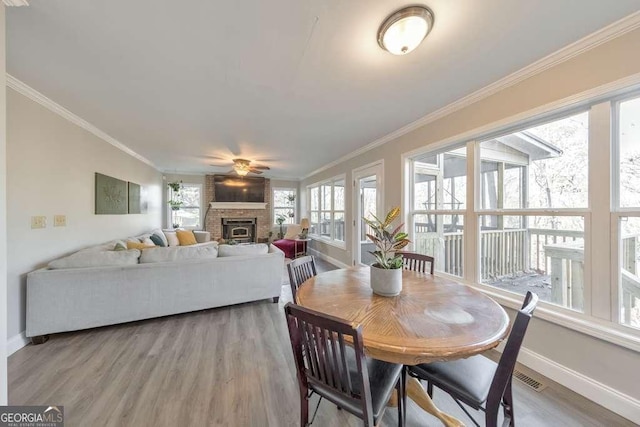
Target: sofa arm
x=202, y=236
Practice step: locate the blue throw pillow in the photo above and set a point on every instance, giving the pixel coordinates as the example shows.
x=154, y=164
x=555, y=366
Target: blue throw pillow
x=156, y=240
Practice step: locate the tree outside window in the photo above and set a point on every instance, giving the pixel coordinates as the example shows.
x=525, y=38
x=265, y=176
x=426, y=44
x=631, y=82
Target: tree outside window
x=284, y=205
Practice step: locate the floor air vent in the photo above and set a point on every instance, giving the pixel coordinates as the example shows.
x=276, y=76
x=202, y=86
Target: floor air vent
x=527, y=380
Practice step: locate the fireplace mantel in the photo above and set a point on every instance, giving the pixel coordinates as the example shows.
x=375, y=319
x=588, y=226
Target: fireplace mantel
x=238, y=205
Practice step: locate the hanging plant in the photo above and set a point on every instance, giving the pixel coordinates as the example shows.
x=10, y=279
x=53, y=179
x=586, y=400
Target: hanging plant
x=175, y=204
x=175, y=186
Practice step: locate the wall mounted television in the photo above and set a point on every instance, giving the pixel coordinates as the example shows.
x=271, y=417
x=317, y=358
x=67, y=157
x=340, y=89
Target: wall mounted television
x=229, y=188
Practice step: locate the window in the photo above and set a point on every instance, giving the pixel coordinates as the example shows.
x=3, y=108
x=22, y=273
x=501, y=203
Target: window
x=534, y=170
x=187, y=214
x=284, y=205
x=326, y=209
x=551, y=206
x=439, y=205
x=627, y=218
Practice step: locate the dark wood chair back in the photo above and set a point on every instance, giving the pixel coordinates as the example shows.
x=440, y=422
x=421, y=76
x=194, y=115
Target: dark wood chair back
x=507, y=363
x=300, y=270
x=319, y=344
x=417, y=262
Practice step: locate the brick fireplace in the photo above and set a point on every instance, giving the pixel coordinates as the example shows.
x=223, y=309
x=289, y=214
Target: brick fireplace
x=215, y=216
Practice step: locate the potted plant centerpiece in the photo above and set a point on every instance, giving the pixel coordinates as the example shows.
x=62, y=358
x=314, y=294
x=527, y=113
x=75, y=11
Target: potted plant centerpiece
x=386, y=272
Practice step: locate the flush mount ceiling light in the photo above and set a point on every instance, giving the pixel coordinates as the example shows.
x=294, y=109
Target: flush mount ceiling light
x=405, y=29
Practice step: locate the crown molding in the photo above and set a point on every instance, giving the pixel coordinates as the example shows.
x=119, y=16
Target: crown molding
x=610, y=32
x=36, y=96
x=16, y=3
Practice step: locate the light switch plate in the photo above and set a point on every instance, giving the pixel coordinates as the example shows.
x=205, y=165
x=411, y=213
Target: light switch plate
x=59, y=220
x=38, y=221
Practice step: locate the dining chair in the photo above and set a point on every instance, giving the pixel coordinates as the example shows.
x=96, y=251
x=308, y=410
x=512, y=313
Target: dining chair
x=417, y=262
x=300, y=270
x=330, y=361
x=478, y=381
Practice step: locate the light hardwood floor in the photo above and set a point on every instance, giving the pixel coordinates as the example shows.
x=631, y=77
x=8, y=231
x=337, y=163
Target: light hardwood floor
x=228, y=366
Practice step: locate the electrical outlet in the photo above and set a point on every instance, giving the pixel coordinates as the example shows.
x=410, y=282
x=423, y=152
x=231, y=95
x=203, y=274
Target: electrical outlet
x=59, y=220
x=38, y=221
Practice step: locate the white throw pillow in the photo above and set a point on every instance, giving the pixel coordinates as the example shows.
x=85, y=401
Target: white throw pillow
x=293, y=231
x=235, y=250
x=83, y=259
x=172, y=238
x=179, y=253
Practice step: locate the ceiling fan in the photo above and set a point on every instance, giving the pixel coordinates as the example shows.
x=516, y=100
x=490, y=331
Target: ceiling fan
x=242, y=167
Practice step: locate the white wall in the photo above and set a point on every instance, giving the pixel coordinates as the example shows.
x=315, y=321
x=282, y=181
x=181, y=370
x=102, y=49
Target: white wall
x=3, y=213
x=600, y=361
x=51, y=164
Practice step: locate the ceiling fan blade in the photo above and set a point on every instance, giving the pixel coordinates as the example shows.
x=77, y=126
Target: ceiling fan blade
x=261, y=167
x=256, y=171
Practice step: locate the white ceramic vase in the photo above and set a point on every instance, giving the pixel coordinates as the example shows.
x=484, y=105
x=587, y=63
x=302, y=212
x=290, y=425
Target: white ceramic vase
x=386, y=282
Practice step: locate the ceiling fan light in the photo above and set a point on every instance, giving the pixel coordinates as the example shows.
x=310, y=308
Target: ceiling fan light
x=405, y=29
x=241, y=171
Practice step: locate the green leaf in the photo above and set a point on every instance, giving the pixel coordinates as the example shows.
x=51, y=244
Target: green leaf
x=391, y=216
x=401, y=236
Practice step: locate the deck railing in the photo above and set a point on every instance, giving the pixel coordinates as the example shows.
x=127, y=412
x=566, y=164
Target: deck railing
x=502, y=252
x=557, y=253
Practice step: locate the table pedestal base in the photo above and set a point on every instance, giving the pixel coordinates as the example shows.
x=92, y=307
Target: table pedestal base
x=418, y=394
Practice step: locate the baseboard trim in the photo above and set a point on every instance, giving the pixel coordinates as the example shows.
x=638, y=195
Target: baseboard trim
x=16, y=342
x=610, y=398
x=327, y=258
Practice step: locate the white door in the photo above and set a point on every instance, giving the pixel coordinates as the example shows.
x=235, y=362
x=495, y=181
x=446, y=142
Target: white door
x=368, y=200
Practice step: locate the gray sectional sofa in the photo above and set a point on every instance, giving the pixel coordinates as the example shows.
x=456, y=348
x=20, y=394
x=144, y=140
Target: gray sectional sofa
x=67, y=299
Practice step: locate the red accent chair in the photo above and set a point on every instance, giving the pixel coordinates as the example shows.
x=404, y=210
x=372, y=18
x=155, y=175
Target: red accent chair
x=289, y=247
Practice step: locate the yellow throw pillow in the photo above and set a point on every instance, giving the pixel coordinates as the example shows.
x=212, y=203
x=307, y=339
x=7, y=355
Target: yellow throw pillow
x=186, y=237
x=134, y=245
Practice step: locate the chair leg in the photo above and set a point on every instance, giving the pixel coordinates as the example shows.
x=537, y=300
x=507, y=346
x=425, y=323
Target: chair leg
x=304, y=408
x=400, y=392
x=403, y=397
x=491, y=415
x=507, y=401
x=430, y=389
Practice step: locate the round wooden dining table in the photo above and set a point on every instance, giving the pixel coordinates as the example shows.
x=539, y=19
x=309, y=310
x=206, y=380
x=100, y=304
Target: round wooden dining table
x=433, y=319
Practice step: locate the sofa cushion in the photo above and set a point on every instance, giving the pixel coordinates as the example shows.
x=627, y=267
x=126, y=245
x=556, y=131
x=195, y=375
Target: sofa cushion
x=186, y=237
x=178, y=253
x=157, y=240
x=91, y=258
x=134, y=245
x=172, y=239
x=235, y=250
x=158, y=232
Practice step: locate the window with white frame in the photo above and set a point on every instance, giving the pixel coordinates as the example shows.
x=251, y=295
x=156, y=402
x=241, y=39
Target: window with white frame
x=284, y=205
x=530, y=214
x=326, y=210
x=186, y=213
x=439, y=206
x=523, y=175
x=626, y=216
